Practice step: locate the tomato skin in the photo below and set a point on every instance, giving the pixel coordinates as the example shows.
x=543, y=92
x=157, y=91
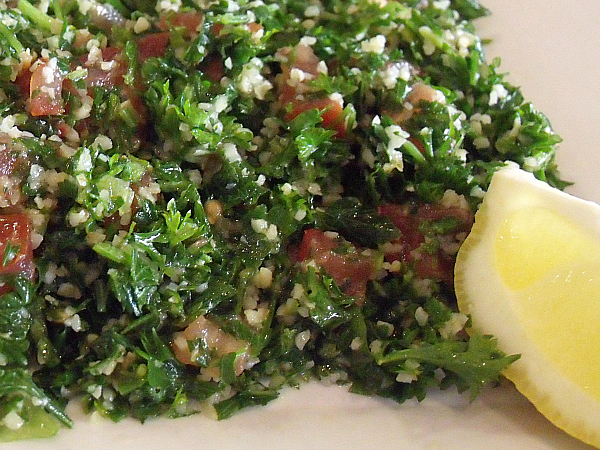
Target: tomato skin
x=97, y=77
x=351, y=271
x=313, y=240
x=45, y=91
x=332, y=114
x=304, y=59
x=16, y=230
x=408, y=218
x=153, y=45
x=435, y=212
x=8, y=161
x=408, y=224
x=213, y=67
x=191, y=20
x=216, y=29
x=23, y=82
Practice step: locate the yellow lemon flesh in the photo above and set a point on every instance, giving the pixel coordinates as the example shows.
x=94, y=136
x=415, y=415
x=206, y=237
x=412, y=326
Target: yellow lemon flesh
x=529, y=273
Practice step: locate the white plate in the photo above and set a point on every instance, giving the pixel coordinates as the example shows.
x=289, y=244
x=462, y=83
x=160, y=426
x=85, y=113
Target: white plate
x=552, y=50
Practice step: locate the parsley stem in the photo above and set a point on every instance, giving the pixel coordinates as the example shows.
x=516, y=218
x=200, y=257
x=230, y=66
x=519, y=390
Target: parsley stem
x=10, y=37
x=42, y=20
x=58, y=10
x=413, y=151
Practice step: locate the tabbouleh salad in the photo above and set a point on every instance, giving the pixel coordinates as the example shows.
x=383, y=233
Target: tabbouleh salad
x=206, y=201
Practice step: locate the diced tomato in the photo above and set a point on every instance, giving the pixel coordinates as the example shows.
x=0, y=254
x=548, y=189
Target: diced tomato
x=302, y=57
x=332, y=114
x=408, y=219
x=419, y=93
x=408, y=224
x=15, y=230
x=14, y=167
x=217, y=340
x=435, y=266
x=189, y=19
x=97, y=77
x=113, y=76
x=111, y=54
x=436, y=212
x=287, y=94
x=153, y=45
x=138, y=105
x=23, y=82
x=312, y=240
x=8, y=160
x=350, y=270
x=216, y=28
x=64, y=130
x=213, y=67
x=254, y=27
x=45, y=91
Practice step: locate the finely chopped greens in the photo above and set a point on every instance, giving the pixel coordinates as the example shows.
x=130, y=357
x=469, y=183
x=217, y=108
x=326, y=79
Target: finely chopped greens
x=205, y=202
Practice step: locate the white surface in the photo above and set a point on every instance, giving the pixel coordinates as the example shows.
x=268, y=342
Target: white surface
x=552, y=50
x=328, y=417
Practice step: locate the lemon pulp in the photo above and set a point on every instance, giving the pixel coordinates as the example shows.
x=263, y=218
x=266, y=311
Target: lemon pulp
x=554, y=266
x=533, y=241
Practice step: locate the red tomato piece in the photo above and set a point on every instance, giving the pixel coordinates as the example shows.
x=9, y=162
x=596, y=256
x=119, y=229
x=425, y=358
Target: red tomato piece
x=305, y=59
x=15, y=229
x=45, y=91
x=313, y=240
x=287, y=94
x=138, y=105
x=436, y=212
x=408, y=224
x=8, y=160
x=435, y=266
x=97, y=76
x=332, y=114
x=213, y=68
x=408, y=219
x=189, y=19
x=23, y=82
x=302, y=57
x=216, y=28
x=255, y=27
x=350, y=270
x=153, y=45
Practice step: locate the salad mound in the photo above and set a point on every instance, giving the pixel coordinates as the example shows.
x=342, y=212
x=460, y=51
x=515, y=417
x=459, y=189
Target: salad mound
x=205, y=201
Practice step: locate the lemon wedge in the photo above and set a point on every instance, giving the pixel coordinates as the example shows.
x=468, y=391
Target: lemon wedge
x=529, y=274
